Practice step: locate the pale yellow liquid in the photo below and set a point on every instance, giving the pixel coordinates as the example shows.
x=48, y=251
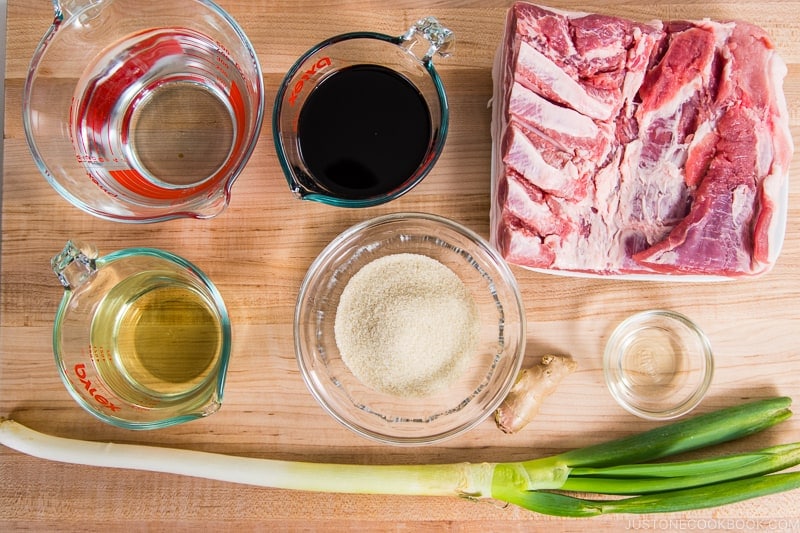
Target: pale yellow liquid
x=156, y=338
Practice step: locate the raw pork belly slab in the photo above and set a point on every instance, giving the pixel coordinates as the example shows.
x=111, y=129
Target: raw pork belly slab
x=623, y=148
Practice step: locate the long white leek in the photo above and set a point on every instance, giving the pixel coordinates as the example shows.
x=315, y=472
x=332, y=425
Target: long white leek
x=425, y=480
x=541, y=485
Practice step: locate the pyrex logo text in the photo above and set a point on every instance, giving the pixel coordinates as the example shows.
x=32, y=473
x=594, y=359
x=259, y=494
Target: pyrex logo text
x=316, y=67
x=80, y=371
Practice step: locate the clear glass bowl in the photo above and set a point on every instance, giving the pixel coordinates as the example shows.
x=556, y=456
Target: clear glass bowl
x=658, y=364
x=411, y=420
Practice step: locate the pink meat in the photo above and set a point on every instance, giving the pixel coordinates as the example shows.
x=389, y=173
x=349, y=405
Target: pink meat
x=686, y=63
x=638, y=148
x=538, y=73
x=534, y=208
x=716, y=235
x=523, y=157
x=523, y=246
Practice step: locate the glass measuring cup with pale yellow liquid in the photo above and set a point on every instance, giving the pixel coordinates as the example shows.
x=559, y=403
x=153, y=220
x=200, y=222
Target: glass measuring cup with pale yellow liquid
x=141, y=338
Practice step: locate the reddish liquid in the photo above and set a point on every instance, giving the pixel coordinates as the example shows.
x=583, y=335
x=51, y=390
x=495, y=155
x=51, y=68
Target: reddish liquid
x=364, y=131
x=161, y=116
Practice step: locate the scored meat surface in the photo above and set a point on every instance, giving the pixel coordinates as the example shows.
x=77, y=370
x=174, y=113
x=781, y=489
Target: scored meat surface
x=630, y=148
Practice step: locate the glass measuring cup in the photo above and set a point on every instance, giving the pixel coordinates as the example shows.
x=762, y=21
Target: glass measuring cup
x=141, y=337
x=362, y=117
x=139, y=110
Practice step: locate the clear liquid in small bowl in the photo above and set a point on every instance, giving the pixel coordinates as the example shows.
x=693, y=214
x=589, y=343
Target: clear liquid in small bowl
x=160, y=115
x=653, y=363
x=658, y=364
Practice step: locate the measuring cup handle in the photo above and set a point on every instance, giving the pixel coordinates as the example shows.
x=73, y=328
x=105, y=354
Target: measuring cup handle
x=430, y=32
x=74, y=264
x=65, y=9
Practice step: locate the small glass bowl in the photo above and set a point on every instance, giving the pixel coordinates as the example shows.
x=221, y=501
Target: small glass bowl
x=462, y=405
x=658, y=364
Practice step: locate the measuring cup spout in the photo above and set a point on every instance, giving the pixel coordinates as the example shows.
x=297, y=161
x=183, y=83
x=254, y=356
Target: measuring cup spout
x=213, y=205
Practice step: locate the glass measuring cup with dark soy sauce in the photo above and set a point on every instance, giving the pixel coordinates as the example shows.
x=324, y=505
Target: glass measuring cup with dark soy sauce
x=362, y=117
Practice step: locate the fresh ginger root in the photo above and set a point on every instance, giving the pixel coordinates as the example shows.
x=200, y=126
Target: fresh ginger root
x=530, y=389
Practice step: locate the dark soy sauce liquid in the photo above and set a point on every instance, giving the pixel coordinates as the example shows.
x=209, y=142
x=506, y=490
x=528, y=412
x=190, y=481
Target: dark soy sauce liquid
x=364, y=131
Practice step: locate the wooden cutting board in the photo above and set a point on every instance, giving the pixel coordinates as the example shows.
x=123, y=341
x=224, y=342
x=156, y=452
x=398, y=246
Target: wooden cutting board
x=257, y=253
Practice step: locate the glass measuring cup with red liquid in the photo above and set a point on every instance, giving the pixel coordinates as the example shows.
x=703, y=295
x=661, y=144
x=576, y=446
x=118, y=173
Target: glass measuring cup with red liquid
x=362, y=117
x=143, y=111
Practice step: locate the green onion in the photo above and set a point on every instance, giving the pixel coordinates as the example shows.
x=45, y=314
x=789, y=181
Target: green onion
x=620, y=467
x=659, y=477
x=687, y=435
x=713, y=495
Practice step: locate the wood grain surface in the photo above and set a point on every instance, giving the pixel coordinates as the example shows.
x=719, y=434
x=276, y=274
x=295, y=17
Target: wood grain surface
x=257, y=253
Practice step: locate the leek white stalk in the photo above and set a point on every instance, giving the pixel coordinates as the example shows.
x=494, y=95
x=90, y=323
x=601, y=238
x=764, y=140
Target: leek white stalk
x=541, y=485
x=424, y=480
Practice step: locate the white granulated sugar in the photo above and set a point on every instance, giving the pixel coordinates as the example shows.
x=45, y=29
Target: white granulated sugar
x=406, y=325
